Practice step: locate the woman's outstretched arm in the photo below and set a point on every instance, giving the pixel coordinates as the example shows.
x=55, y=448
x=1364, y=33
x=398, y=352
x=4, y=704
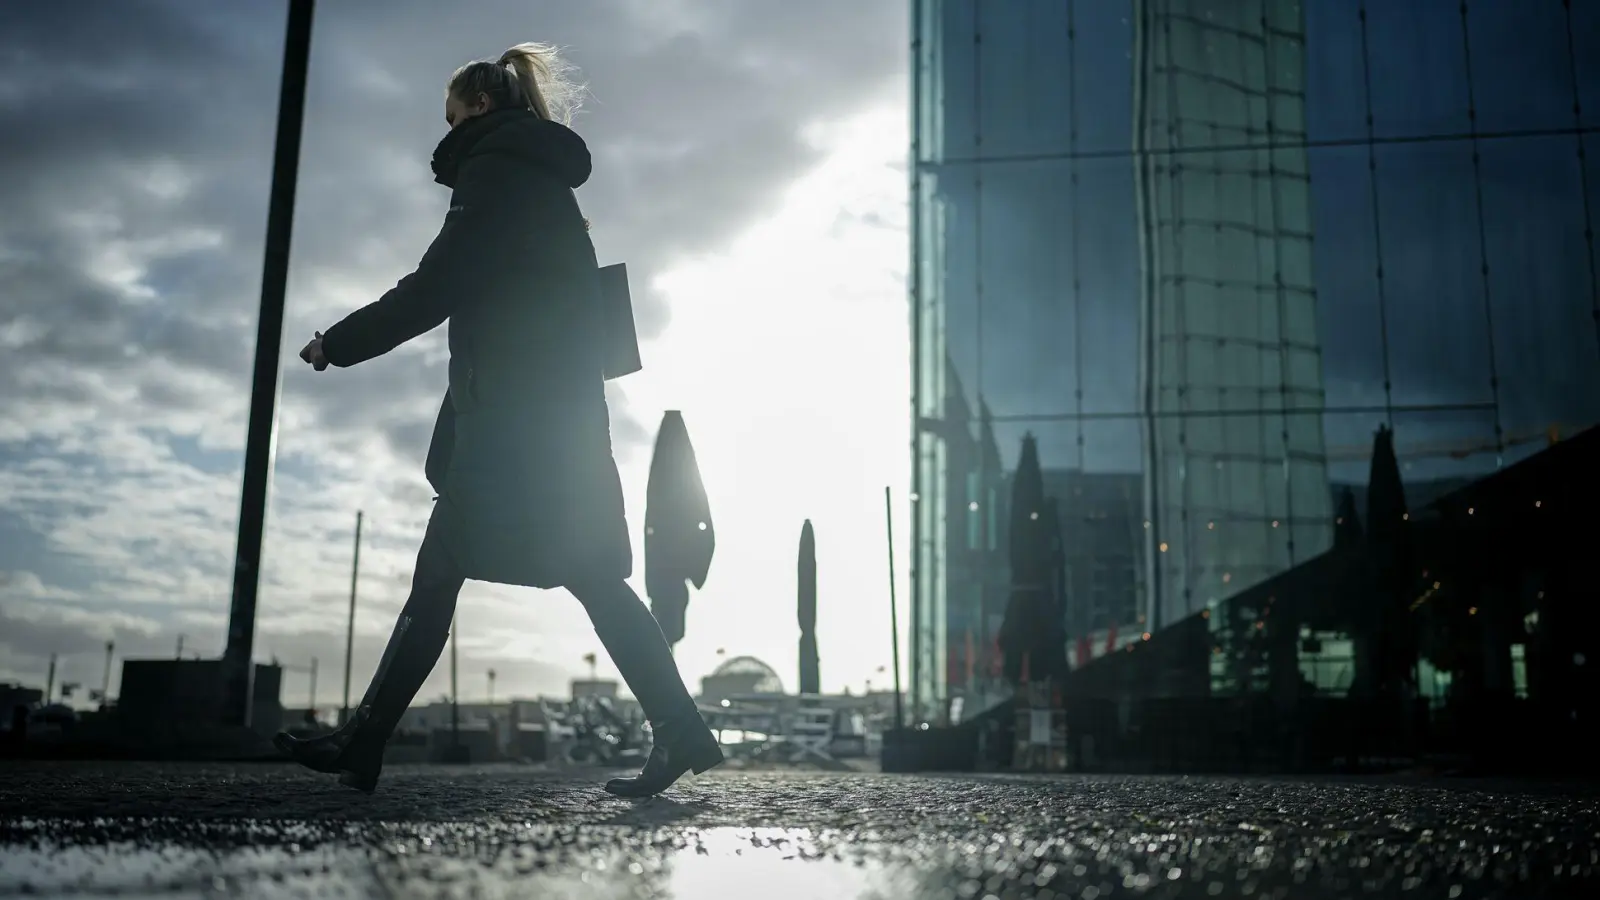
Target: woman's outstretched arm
x=423, y=300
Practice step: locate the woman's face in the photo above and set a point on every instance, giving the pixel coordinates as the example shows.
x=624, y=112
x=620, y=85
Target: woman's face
x=457, y=111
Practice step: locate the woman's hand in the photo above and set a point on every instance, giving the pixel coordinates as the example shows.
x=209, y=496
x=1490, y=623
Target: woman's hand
x=312, y=353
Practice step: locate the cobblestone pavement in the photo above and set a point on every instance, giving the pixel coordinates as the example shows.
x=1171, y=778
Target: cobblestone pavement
x=275, y=831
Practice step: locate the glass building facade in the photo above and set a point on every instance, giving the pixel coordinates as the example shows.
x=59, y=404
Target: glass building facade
x=1201, y=250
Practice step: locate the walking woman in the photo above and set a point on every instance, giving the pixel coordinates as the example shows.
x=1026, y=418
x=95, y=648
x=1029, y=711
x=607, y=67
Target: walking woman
x=528, y=492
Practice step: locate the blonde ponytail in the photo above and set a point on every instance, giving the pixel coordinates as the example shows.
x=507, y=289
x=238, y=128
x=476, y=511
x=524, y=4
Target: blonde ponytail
x=546, y=80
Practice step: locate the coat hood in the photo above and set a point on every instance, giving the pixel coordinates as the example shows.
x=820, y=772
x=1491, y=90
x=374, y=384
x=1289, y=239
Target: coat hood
x=518, y=133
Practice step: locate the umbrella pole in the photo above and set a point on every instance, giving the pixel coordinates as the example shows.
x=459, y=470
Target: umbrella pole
x=894, y=607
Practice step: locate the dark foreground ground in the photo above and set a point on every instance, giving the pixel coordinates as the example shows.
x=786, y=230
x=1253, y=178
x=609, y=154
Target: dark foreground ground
x=271, y=831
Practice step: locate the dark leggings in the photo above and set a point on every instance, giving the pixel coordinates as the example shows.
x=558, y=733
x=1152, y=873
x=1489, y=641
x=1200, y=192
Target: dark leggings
x=623, y=623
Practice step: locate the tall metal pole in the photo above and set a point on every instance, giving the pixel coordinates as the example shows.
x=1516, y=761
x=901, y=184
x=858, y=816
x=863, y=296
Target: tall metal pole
x=261, y=438
x=350, y=627
x=894, y=609
x=50, y=682
x=313, y=704
x=920, y=385
x=455, y=710
x=105, y=684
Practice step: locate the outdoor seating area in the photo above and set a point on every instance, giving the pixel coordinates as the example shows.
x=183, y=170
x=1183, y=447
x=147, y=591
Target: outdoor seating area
x=802, y=730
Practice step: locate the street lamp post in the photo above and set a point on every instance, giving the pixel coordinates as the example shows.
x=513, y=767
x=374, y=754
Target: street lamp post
x=455, y=707
x=105, y=684
x=350, y=625
x=261, y=434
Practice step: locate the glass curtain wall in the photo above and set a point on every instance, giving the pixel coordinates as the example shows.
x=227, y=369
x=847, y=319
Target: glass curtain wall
x=1201, y=250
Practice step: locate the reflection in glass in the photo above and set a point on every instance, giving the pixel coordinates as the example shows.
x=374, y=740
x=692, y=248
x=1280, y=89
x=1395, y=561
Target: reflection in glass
x=1229, y=325
x=1201, y=251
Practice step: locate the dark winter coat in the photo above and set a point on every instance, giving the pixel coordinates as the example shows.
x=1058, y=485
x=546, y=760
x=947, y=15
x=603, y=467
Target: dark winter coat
x=521, y=452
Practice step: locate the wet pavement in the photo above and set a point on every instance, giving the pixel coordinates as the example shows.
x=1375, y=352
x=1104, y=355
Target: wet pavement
x=84, y=830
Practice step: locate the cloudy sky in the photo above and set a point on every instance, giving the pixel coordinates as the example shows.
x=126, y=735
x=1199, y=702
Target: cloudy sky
x=749, y=168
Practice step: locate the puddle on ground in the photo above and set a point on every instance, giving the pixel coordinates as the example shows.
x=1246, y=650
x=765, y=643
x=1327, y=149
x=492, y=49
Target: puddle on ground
x=594, y=863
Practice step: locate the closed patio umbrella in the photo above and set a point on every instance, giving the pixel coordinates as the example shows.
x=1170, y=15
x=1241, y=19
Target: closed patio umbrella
x=1032, y=624
x=679, y=539
x=810, y=677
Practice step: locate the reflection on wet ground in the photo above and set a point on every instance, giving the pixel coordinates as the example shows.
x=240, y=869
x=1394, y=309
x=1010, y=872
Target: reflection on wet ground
x=165, y=831
x=462, y=860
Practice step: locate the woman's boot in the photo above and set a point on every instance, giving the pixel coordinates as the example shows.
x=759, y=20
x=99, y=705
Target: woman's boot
x=355, y=750
x=633, y=639
x=681, y=744
x=325, y=752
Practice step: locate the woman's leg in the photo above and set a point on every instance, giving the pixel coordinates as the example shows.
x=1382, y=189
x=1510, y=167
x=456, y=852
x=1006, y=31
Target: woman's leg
x=635, y=644
x=355, y=750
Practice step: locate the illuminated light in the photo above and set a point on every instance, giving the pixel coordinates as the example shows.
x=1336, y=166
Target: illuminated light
x=973, y=506
x=1470, y=510
x=1163, y=546
x=1146, y=524
x=1472, y=610
x=1405, y=517
x=649, y=529
x=1227, y=577
x=1538, y=503
x=1338, y=520
x=1436, y=585
x=1146, y=636
x=1274, y=523
x=703, y=526
x=1210, y=525
x=1033, y=515
x=1260, y=625
x=915, y=497
x=1541, y=595
x=726, y=704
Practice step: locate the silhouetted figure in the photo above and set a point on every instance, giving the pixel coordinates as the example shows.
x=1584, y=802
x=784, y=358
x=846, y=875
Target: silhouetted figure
x=528, y=492
x=679, y=537
x=810, y=668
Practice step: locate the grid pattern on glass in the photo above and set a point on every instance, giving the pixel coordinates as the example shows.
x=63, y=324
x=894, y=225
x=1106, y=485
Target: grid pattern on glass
x=1210, y=247
x=1229, y=308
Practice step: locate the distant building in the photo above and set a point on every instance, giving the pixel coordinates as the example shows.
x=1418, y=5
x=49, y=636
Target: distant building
x=165, y=694
x=740, y=676
x=604, y=688
x=1102, y=522
x=1100, y=530
x=14, y=697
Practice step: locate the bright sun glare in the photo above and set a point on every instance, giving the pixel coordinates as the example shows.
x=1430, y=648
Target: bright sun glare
x=788, y=354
